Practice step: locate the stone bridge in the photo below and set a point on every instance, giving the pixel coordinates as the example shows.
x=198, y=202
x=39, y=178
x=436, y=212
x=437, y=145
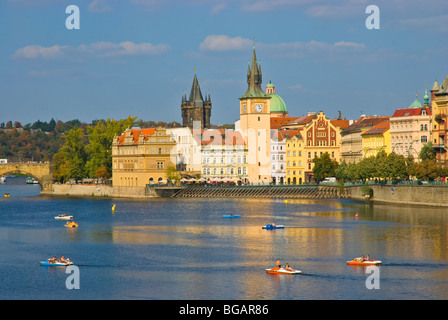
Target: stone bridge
x=39, y=171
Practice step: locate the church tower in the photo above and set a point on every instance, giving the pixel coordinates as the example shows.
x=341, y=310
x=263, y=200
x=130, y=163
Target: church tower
x=255, y=125
x=196, y=108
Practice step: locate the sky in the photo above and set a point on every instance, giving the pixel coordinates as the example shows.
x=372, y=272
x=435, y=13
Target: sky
x=138, y=57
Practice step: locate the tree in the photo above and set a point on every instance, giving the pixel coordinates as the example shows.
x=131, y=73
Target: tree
x=102, y=173
x=324, y=167
x=99, y=148
x=171, y=173
x=427, y=152
x=71, y=158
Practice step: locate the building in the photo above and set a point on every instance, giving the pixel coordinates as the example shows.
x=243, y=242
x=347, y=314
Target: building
x=410, y=128
x=351, y=137
x=376, y=139
x=319, y=135
x=141, y=157
x=224, y=155
x=439, y=106
x=196, y=108
x=255, y=115
x=187, y=152
x=295, y=156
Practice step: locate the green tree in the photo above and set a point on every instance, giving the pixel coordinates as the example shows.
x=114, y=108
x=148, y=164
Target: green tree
x=427, y=152
x=71, y=158
x=324, y=167
x=99, y=148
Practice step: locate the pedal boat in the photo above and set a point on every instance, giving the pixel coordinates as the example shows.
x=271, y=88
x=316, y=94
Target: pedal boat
x=72, y=224
x=359, y=262
x=277, y=270
x=64, y=217
x=231, y=216
x=56, y=264
x=270, y=227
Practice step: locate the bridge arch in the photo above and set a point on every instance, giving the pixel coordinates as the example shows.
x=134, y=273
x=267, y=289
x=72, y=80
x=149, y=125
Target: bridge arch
x=39, y=171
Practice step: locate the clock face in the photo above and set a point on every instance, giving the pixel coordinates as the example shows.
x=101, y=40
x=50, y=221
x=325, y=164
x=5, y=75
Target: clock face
x=258, y=108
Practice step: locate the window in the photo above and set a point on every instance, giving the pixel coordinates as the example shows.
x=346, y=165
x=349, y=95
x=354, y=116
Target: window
x=424, y=139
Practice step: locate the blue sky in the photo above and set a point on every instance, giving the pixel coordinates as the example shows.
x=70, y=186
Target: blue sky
x=137, y=57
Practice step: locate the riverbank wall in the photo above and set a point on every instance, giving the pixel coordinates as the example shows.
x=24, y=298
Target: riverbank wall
x=402, y=194
x=398, y=194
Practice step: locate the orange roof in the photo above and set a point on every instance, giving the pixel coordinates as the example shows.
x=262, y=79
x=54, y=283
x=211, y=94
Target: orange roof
x=278, y=122
x=135, y=134
x=378, y=128
x=341, y=123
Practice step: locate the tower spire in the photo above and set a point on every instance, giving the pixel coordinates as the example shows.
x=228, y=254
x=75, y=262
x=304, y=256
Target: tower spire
x=254, y=78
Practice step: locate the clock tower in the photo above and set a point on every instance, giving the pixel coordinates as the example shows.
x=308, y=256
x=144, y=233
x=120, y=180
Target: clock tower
x=255, y=125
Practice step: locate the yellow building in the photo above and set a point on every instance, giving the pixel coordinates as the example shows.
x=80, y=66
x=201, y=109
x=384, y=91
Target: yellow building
x=320, y=135
x=295, y=157
x=376, y=139
x=141, y=157
x=439, y=108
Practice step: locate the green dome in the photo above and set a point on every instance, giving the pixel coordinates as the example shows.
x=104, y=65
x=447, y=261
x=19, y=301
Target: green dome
x=277, y=103
x=415, y=104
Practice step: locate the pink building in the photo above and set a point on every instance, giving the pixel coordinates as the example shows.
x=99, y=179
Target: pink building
x=410, y=128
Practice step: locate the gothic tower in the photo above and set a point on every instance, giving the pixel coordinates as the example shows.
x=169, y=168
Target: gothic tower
x=196, y=108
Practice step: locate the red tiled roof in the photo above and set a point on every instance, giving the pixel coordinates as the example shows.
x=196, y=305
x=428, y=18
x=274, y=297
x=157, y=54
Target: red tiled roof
x=408, y=112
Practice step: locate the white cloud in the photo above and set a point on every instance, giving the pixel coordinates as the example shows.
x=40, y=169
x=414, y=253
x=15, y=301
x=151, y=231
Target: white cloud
x=36, y=51
x=224, y=43
x=99, y=6
x=97, y=49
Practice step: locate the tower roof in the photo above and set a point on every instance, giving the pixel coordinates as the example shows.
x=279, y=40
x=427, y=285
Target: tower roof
x=195, y=93
x=254, y=79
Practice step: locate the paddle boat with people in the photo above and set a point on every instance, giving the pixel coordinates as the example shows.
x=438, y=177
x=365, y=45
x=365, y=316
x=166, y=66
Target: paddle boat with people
x=71, y=224
x=272, y=226
x=231, y=215
x=364, y=261
x=281, y=270
x=54, y=262
x=64, y=216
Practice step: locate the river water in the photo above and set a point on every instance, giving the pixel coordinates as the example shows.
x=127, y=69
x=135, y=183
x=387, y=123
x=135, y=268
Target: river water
x=184, y=249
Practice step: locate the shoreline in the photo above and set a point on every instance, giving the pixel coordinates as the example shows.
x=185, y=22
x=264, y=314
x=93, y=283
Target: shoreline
x=434, y=196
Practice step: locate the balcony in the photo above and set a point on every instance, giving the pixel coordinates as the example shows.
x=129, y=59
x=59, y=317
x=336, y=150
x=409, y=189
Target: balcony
x=441, y=147
x=440, y=117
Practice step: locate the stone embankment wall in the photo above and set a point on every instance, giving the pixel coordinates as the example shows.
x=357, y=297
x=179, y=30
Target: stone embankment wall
x=79, y=190
x=403, y=194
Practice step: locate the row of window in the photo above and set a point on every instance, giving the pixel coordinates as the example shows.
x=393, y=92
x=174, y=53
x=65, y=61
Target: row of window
x=152, y=150
x=222, y=171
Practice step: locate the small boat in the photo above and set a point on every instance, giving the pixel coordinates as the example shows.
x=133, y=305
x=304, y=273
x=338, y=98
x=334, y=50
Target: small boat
x=2, y=179
x=7, y=195
x=55, y=264
x=31, y=180
x=231, y=216
x=64, y=217
x=270, y=227
x=72, y=224
x=277, y=270
x=360, y=262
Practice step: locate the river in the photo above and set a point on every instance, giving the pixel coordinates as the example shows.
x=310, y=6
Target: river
x=184, y=249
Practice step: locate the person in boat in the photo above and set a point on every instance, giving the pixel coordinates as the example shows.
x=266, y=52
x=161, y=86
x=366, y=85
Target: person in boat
x=278, y=264
x=63, y=260
x=288, y=267
x=368, y=257
x=230, y=214
x=363, y=258
x=273, y=224
x=52, y=260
